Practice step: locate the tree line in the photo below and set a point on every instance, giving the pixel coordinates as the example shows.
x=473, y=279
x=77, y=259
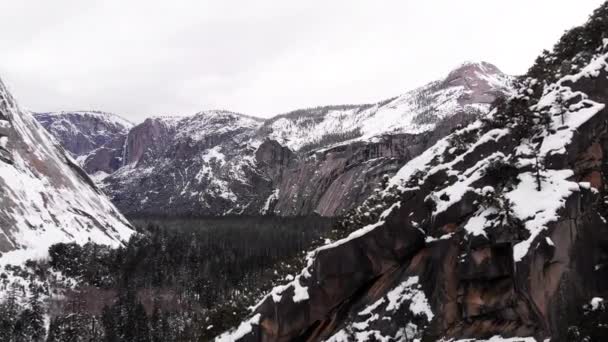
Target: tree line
x=179, y=280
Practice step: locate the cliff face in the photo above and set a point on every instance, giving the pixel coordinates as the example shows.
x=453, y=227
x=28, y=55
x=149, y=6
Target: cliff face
x=45, y=197
x=95, y=139
x=146, y=141
x=498, y=229
x=334, y=180
x=200, y=165
x=323, y=160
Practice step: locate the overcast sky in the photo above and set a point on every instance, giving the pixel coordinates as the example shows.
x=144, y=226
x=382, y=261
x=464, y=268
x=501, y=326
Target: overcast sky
x=139, y=58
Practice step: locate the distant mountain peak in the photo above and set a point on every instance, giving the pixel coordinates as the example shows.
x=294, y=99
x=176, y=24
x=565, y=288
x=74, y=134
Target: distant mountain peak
x=168, y=119
x=222, y=113
x=478, y=71
x=478, y=64
x=101, y=115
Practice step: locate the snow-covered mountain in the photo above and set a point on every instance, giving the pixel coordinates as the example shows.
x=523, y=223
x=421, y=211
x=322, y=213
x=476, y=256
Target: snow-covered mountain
x=45, y=196
x=470, y=88
x=94, y=138
x=198, y=165
x=353, y=148
x=83, y=131
x=498, y=232
x=324, y=160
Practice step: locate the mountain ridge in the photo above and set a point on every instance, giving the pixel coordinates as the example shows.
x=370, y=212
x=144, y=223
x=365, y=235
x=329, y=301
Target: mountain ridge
x=330, y=150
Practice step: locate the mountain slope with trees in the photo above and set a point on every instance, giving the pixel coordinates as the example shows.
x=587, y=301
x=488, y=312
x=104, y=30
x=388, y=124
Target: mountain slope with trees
x=497, y=232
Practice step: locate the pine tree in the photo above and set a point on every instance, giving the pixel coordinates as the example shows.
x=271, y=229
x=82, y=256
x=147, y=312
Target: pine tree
x=71, y=327
x=109, y=325
x=538, y=169
x=20, y=333
x=140, y=319
x=156, y=324
x=9, y=312
x=6, y=322
x=53, y=329
x=33, y=318
x=558, y=106
x=126, y=320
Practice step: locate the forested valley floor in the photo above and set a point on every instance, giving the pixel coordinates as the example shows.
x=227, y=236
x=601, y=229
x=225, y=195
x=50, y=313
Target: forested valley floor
x=179, y=280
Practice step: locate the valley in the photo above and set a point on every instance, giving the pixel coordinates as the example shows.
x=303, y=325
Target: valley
x=472, y=208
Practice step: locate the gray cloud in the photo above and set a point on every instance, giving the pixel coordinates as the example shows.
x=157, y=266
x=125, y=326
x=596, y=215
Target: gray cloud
x=140, y=57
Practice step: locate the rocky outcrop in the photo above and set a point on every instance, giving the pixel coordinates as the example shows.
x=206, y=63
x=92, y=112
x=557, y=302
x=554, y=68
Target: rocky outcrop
x=498, y=229
x=272, y=159
x=147, y=141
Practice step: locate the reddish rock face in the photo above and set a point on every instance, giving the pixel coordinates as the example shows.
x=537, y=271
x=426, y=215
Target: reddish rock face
x=588, y=165
x=148, y=137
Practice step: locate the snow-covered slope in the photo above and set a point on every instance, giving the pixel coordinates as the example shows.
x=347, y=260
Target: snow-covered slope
x=469, y=88
x=45, y=196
